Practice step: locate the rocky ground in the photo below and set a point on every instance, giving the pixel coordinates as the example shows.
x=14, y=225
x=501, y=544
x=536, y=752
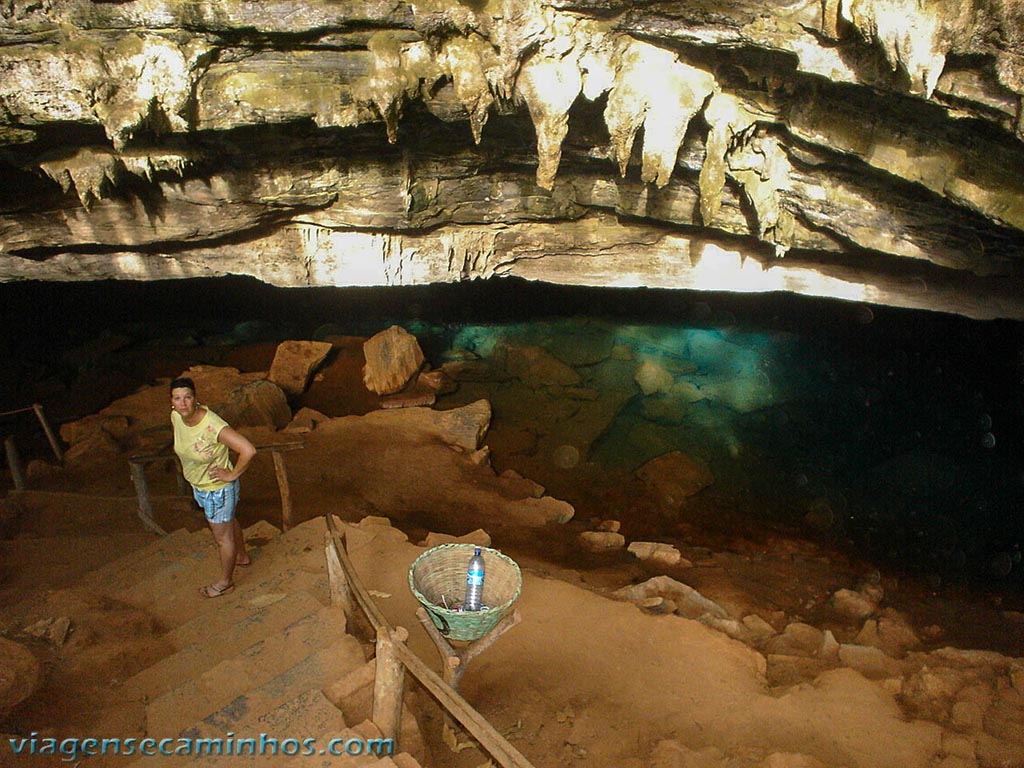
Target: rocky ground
x=725, y=646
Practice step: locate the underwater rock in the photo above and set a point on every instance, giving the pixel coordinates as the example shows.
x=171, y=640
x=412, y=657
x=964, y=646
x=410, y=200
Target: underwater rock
x=675, y=476
x=536, y=367
x=652, y=378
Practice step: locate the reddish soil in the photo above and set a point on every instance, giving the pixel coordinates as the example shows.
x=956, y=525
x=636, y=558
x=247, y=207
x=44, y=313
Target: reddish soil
x=583, y=680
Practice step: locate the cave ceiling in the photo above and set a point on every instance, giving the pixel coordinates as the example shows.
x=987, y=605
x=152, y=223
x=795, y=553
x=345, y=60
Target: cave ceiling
x=868, y=150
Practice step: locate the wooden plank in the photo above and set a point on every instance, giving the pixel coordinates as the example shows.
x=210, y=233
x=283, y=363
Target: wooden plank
x=145, y=507
x=54, y=443
x=389, y=683
x=341, y=594
x=149, y=458
x=282, y=486
x=14, y=463
x=373, y=613
x=486, y=735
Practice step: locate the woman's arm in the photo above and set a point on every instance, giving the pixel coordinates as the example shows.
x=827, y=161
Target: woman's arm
x=240, y=445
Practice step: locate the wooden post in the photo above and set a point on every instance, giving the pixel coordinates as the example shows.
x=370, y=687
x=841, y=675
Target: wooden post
x=14, y=463
x=492, y=742
x=54, y=443
x=184, y=487
x=282, y=485
x=341, y=594
x=145, y=508
x=389, y=683
x=456, y=660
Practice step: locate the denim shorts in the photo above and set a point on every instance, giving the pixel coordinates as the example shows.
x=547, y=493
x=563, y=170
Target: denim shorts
x=218, y=505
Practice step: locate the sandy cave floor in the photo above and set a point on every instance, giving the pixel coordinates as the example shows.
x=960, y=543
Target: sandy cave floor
x=583, y=680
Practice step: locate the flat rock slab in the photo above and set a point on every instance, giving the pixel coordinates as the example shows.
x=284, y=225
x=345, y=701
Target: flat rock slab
x=393, y=357
x=294, y=363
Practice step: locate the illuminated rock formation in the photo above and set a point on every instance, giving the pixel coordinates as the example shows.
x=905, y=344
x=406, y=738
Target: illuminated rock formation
x=877, y=145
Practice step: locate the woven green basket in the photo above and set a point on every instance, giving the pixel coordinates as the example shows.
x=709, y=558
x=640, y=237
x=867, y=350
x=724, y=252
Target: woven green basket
x=438, y=576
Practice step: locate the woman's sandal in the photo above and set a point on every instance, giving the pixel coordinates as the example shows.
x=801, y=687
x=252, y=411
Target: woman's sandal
x=212, y=590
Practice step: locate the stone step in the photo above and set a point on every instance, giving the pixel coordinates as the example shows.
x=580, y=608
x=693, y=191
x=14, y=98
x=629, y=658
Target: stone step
x=264, y=709
x=116, y=575
x=232, y=629
x=289, y=706
x=185, y=603
x=303, y=544
x=172, y=592
x=258, y=535
x=353, y=693
x=308, y=713
x=193, y=567
x=32, y=567
x=107, y=579
x=56, y=513
x=200, y=697
x=198, y=550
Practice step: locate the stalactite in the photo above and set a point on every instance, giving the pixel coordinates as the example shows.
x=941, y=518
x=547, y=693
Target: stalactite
x=910, y=33
x=760, y=165
x=95, y=172
x=727, y=118
x=663, y=105
x=385, y=89
x=549, y=86
x=467, y=61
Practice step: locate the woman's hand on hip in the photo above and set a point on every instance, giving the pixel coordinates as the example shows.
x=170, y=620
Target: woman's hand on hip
x=222, y=474
x=240, y=445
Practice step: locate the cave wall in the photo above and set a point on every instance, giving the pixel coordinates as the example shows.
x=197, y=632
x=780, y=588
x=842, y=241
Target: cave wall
x=870, y=150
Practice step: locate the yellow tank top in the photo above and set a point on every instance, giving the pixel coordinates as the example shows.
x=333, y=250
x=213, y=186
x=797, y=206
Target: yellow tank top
x=199, y=451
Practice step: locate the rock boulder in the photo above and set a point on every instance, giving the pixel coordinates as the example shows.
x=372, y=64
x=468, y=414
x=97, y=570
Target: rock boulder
x=393, y=358
x=294, y=364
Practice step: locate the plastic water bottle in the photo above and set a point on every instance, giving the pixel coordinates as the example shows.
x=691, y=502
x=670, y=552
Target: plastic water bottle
x=474, y=583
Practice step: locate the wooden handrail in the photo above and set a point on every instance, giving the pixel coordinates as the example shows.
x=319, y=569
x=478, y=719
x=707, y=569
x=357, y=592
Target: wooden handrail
x=369, y=608
x=138, y=461
x=148, y=458
x=14, y=463
x=486, y=735
x=12, y=458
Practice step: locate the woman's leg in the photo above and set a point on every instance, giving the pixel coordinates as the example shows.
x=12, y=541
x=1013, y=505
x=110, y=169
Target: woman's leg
x=241, y=555
x=219, y=507
x=224, y=535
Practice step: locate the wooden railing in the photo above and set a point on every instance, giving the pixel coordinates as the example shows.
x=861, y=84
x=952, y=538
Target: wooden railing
x=11, y=450
x=394, y=658
x=138, y=464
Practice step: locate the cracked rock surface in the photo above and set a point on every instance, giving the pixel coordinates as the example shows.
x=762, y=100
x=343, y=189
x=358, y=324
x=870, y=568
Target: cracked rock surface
x=869, y=150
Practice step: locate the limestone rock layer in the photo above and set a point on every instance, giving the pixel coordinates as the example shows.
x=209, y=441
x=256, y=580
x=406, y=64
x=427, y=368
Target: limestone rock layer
x=870, y=150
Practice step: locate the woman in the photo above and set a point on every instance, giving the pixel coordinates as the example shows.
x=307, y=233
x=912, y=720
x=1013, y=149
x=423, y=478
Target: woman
x=202, y=441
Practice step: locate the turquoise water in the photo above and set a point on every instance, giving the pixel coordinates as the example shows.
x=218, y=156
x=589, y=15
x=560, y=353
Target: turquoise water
x=897, y=432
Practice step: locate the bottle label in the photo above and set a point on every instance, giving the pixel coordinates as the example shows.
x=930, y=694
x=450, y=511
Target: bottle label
x=475, y=578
